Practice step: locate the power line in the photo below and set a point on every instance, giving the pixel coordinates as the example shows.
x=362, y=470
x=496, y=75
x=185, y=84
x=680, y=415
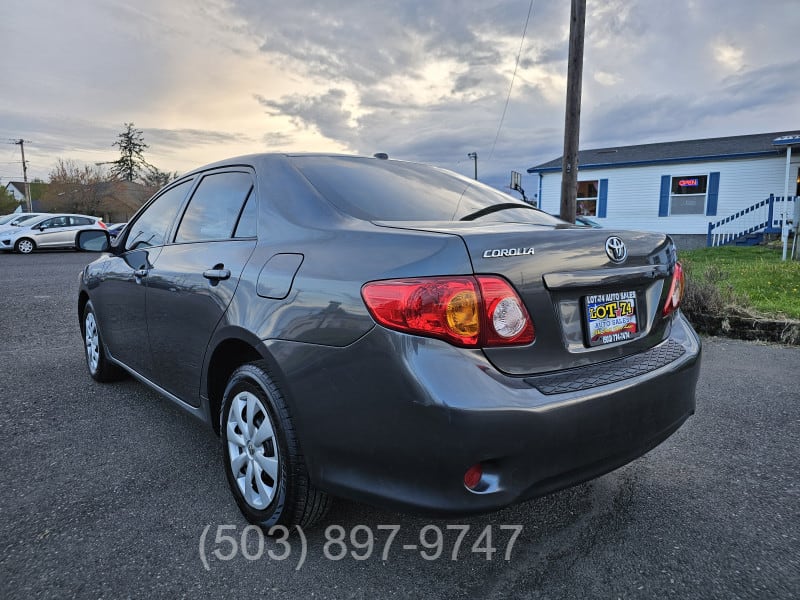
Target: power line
x=513, y=76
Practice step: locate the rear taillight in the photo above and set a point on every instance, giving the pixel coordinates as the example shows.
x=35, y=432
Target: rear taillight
x=676, y=289
x=466, y=311
x=103, y=225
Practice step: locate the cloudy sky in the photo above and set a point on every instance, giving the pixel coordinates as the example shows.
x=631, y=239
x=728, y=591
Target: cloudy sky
x=420, y=80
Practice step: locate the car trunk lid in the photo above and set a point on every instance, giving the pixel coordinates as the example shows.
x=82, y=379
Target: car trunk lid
x=568, y=280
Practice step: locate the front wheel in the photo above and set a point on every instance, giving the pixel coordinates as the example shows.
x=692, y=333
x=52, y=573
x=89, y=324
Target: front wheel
x=264, y=466
x=100, y=368
x=25, y=246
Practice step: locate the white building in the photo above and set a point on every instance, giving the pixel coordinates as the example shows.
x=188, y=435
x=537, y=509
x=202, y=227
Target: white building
x=688, y=188
x=16, y=189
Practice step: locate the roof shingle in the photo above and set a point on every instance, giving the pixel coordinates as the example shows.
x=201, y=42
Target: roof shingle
x=738, y=146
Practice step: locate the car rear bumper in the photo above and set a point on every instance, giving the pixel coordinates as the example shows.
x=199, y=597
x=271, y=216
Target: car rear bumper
x=396, y=420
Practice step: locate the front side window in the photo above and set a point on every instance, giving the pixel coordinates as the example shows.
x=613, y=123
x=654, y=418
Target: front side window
x=55, y=222
x=215, y=207
x=150, y=229
x=688, y=195
x=586, y=204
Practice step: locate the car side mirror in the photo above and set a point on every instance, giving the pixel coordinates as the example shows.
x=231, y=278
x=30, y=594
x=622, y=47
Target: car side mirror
x=93, y=240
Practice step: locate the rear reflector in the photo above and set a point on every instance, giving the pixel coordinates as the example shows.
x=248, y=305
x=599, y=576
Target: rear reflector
x=473, y=476
x=466, y=311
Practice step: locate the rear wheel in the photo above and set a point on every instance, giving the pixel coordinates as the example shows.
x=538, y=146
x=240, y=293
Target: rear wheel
x=96, y=360
x=25, y=246
x=264, y=465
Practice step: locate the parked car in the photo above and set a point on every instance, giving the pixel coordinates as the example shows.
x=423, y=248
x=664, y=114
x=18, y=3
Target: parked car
x=390, y=332
x=47, y=231
x=16, y=219
x=114, y=229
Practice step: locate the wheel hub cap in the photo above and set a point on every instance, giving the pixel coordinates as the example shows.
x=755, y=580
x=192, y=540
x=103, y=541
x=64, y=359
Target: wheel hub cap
x=252, y=450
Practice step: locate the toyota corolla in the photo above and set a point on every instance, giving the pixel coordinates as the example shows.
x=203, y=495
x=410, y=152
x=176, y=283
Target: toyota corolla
x=390, y=332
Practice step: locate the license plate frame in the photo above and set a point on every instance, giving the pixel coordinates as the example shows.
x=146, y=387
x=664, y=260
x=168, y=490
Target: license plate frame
x=611, y=317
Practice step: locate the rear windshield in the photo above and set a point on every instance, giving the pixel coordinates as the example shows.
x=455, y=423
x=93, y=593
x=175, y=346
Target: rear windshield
x=383, y=190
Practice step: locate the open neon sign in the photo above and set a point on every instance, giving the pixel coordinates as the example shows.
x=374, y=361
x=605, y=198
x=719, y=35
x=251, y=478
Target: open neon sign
x=694, y=182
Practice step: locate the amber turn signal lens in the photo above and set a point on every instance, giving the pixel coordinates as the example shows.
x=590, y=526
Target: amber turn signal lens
x=462, y=313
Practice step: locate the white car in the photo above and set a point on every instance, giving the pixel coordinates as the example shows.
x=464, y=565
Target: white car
x=47, y=231
x=14, y=219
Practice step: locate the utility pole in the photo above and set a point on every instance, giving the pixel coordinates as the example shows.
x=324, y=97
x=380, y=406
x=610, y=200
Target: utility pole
x=21, y=143
x=474, y=156
x=572, y=121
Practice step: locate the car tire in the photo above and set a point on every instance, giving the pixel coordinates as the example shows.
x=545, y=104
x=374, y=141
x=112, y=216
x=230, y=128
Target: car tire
x=100, y=368
x=263, y=462
x=25, y=246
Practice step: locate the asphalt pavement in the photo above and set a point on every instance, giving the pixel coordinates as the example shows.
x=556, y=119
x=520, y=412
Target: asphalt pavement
x=108, y=491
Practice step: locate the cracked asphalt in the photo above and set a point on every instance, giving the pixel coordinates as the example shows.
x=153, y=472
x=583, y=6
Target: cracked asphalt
x=106, y=492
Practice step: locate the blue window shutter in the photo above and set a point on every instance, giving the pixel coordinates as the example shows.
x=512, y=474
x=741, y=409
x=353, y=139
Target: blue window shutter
x=602, y=199
x=713, y=194
x=663, y=204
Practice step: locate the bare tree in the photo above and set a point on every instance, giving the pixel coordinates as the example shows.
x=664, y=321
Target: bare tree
x=78, y=189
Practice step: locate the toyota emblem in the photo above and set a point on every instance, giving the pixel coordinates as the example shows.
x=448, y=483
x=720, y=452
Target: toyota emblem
x=616, y=250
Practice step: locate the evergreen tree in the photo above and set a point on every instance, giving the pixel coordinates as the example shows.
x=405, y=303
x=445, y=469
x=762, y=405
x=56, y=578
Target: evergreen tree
x=131, y=163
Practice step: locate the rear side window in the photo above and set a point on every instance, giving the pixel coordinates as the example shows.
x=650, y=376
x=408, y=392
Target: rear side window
x=150, y=229
x=383, y=190
x=215, y=207
x=80, y=221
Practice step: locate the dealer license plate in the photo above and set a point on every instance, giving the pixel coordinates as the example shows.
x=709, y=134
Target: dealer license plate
x=611, y=318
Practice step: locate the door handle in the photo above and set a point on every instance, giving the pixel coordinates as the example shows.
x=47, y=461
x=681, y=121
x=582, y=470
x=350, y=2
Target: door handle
x=217, y=274
x=140, y=272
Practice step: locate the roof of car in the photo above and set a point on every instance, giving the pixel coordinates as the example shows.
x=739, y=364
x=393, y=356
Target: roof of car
x=51, y=215
x=252, y=159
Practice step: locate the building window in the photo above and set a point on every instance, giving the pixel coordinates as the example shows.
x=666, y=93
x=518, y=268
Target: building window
x=688, y=195
x=586, y=205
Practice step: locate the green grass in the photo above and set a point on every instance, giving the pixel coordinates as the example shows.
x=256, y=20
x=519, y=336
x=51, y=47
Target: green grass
x=752, y=278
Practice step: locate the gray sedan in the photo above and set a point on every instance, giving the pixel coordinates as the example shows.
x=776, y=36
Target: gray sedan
x=390, y=332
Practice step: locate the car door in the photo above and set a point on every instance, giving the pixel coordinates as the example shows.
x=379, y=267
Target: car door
x=121, y=293
x=51, y=232
x=192, y=281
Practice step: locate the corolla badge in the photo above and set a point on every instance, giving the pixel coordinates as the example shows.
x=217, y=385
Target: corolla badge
x=498, y=252
x=616, y=250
